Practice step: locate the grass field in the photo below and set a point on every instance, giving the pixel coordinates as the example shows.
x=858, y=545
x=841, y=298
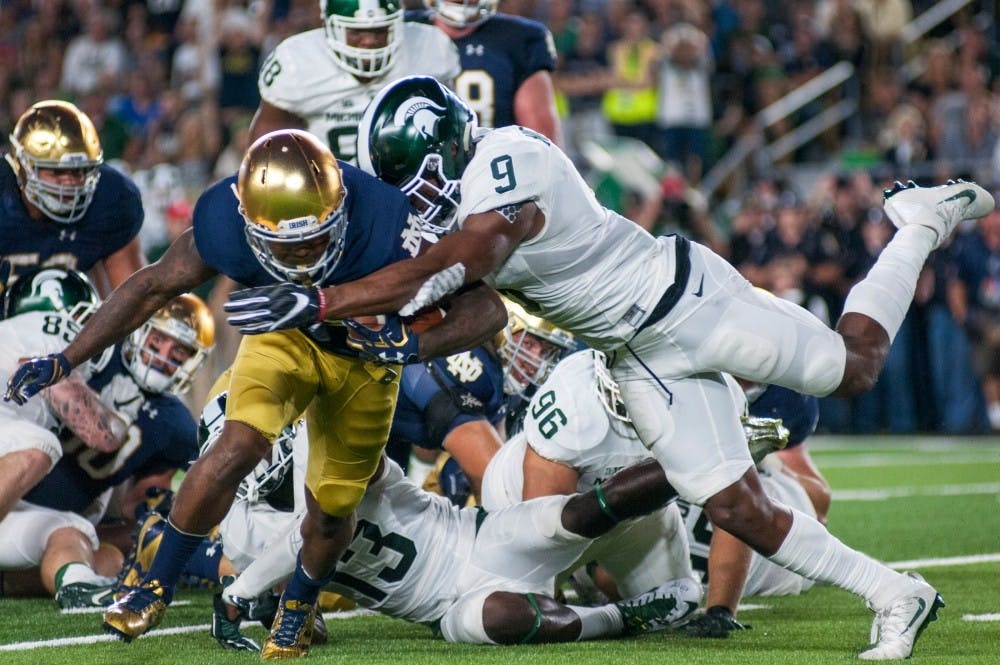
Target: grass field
x=930, y=504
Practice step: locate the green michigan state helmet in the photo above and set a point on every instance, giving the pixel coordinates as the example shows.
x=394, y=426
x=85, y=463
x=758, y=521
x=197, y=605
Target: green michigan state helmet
x=418, y=135
x=51, y=290
x=341, y=16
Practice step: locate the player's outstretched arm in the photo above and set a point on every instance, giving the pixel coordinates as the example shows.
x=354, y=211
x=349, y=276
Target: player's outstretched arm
x=79, y=410
x=178, y=270
x=480, y=247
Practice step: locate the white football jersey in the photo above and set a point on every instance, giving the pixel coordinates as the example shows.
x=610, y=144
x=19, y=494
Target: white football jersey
x=589, y=270
x=566, y=423
x=303, y=77
x=408, y=550
x=25, y=336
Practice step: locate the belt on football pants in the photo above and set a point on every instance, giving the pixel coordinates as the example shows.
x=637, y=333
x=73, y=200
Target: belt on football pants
x=682, y=272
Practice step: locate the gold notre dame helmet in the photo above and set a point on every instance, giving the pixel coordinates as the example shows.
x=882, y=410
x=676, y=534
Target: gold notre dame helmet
x=188, y=320
x=291, y=191
x=56, y=135
x=532, y=367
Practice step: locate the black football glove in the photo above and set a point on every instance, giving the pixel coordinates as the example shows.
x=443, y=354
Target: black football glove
x=263, y=309
x=717, y=621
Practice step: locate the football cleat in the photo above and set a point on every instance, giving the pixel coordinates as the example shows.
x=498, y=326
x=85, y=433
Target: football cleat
x=764, y=436
x=226, y=620
x=292, y=631
x=85, y=594
x=938, y=208
x=140, y=611
x=140, y=557
x=897, y=626
x=667, y=606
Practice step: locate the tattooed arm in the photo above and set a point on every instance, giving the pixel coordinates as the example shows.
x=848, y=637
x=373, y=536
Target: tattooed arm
x=77, y=407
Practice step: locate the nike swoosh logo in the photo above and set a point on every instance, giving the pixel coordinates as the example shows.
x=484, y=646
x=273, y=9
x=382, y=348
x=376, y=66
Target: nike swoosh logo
x=968, y=194
x=701, y=284
x=922, y=605
x=301, y=302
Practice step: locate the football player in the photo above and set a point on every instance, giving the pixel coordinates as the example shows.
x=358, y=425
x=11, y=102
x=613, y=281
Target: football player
x=61, y=205
x=322, y=80
x=136, y=386
x=729, y=568
x=50, y=305
x=670, y=314
x=507, y=63
x=480, y=577
x=297, y=214
x=576, y=434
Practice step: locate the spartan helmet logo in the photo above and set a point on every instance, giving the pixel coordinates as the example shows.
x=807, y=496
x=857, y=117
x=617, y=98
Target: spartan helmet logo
x=44, y=286
x=423, y=113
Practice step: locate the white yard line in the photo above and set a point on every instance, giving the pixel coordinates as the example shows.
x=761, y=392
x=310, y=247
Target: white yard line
x=981, y=617
x=925, y=490
x=867, y=460
x=946, y=561
x=179, y=630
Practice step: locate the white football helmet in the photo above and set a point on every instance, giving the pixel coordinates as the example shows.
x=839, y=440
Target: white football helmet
x=269, y=473
x=463, y=13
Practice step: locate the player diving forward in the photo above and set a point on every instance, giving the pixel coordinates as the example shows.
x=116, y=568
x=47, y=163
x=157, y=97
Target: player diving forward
x=671, y=315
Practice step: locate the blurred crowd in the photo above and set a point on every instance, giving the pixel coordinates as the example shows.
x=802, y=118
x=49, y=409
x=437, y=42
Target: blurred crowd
x=652, y=94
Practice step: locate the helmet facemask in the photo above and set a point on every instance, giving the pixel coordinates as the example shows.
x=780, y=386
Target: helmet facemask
x=290, y=232
x=369, y=15
x=529, y=349
x=464, y=13
x=434, y=196
x=607, y=389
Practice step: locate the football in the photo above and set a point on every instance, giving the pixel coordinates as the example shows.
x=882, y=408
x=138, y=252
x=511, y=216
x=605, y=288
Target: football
x=424, y=319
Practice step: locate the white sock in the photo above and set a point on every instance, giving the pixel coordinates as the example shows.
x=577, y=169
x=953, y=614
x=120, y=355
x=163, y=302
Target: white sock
x=77, y=571
x=601, y=621
x=275, y=564
x=886, y=292
x=811, y=551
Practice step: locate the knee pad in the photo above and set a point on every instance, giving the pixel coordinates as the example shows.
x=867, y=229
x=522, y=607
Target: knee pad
x=463, y=622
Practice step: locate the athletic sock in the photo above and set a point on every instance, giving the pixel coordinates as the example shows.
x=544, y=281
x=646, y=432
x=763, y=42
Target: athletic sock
x=176, y=549
x=601, y=621
x=77, y=571
x=813, y=552
x=302, y=586
x=885, y=294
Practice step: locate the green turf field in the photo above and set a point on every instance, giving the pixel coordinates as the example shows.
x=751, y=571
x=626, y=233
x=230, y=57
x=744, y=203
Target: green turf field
x=930, y=504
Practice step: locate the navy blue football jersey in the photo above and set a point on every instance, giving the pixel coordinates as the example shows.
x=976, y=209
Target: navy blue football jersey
x=437, y=396
x=496, y=59
x=111, y=222
x=163, y=436
x=379, y=231
x=798, y=412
